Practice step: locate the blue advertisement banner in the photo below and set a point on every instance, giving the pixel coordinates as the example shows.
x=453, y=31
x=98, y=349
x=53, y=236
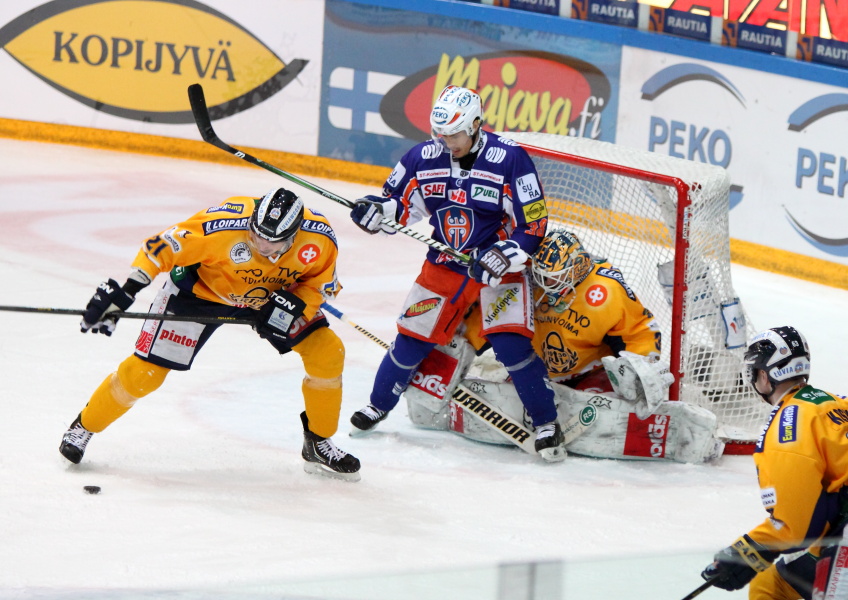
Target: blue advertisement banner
x=547, y=7
x=815, y=49
x=677, y=22
x=624, y=13
x=754, y=37
x=383, y=68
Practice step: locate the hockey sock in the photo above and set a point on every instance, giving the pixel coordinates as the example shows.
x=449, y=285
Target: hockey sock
x=119, y=391
x=397, y=369
x=323, y=401
x=528, y=372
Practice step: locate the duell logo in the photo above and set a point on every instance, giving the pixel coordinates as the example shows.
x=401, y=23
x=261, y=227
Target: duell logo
x=134, y=59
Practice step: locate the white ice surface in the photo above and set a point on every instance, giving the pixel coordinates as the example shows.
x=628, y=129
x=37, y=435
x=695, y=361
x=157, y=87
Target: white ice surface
x=203, y=487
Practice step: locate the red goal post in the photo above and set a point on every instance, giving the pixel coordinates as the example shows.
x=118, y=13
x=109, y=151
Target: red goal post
x=664, y=223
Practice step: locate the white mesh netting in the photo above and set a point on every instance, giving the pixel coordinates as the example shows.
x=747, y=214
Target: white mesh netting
x=624, y=215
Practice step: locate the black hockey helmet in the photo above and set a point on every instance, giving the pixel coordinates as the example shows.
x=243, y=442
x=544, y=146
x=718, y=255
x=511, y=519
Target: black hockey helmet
x=277, y=216
x=782, y=352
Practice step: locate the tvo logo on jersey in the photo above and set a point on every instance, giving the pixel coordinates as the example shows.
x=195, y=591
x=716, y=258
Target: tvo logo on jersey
x=457, y=225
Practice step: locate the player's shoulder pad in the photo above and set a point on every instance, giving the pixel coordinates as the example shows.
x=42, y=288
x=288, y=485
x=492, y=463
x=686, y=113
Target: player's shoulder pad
x=315, y=222
x=610, y=272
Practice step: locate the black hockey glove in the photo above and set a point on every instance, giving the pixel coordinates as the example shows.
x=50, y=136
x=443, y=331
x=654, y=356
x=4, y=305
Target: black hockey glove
x=735, y=566
x=276, y=317
x=367, y=213
x=109, y=298
x=489, y=266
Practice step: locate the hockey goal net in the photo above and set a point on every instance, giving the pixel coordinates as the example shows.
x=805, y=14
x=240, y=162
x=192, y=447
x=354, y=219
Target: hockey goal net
x=663, y=222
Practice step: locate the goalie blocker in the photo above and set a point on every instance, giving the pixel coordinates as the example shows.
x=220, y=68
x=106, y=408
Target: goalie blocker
x=611, y=427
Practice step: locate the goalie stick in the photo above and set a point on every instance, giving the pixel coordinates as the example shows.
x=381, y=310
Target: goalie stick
x=514, y=431
x=204, y=319
x=204, y=125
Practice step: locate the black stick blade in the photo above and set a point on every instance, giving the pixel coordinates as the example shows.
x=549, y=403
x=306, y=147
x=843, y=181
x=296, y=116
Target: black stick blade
x=201, y=114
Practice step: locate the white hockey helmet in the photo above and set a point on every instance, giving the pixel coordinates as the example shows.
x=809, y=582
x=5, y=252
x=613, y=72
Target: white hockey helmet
x=560, y=264
x=456, y=109
x=782, y=352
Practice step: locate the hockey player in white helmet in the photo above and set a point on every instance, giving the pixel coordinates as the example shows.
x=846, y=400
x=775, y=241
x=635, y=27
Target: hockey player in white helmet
x=269, y=259
x=601, y=348
x=802, y=468
x=482, y=195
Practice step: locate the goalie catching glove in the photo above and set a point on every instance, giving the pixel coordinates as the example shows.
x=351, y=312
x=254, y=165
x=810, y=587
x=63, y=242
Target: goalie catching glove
x=489, y=266
x=368, y=214
x=110, y=298
x=276, y=317
x=642, y=380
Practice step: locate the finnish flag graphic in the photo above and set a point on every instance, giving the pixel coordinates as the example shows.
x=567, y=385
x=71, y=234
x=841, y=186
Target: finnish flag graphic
x=354, y=101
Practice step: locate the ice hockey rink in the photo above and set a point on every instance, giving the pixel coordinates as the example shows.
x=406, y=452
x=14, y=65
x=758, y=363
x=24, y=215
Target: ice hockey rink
x=203, y=489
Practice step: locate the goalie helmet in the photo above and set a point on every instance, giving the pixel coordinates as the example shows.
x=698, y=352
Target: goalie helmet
x=277, y=216
x=782, y=352
x=560, y=264
x=455, y=110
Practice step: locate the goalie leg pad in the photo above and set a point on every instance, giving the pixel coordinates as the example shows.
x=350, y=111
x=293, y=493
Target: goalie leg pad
x=433, y=383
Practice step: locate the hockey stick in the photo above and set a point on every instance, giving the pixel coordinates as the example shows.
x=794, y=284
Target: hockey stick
x=514, y=431
x=204, y=124
x=203, y=319
x=701, y=588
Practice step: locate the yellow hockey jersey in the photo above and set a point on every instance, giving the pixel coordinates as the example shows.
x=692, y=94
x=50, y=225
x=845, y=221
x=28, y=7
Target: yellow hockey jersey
x=605, y=318
x=209, y=255
x=802, y=466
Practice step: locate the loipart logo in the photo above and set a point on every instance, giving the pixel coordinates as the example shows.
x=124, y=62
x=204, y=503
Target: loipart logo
x=520, y=91
x=135, y=59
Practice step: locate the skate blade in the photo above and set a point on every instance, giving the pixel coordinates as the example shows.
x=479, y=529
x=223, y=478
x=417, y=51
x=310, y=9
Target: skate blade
x=555, y=454
x=319, y=469
x=356, y=432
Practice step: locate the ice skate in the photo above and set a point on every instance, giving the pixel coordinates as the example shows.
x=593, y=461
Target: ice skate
x=366, y=419
x=550, y=442
x=324, y=458
x=74, y=441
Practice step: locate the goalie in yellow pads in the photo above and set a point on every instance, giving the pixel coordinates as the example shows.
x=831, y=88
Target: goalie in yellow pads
x=271, y=260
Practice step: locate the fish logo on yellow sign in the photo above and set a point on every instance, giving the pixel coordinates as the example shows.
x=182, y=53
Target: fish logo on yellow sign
x=135, y=58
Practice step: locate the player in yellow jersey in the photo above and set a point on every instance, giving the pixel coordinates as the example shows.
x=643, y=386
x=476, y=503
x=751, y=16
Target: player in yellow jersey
x=271, y=260
x=601, y=347
x=802, y=467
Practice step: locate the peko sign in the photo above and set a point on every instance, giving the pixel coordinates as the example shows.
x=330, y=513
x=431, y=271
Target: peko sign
x=135, y=59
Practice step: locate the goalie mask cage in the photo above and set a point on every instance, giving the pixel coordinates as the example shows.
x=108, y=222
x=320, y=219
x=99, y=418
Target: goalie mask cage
x=663, y=222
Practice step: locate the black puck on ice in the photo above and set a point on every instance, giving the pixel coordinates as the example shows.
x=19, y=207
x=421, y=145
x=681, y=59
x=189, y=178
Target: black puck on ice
x=91, y=489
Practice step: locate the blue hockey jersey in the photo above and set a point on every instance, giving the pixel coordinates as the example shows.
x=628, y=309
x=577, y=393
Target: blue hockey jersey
x=499, y=197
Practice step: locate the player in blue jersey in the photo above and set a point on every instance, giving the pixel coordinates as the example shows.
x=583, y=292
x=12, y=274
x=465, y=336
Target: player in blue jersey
x=482, y=195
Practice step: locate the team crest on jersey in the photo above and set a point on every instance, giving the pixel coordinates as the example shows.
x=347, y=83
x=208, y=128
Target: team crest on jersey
x=457, y=224
x=240, y=253
x=558, y=358
x=423, y=306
